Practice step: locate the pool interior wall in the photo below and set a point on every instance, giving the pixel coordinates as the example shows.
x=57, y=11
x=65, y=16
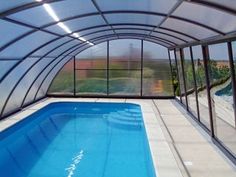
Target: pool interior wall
x=78, y=139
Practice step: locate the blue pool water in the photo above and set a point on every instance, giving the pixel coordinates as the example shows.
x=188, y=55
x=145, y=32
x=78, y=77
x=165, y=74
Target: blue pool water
x=78, y=139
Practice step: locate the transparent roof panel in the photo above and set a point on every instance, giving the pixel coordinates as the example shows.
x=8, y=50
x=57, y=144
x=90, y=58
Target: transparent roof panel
x=170, y=38
x=162, y=6
x=186, y=38
x=207, y=16
x=63, y=48
x=51, y=46
x=132, y=31
x=133, y=26
x=39, y=16
x=226, y=3
x=10, y=4
x=96, y=35
x=76, y=7
x=24, y=46
x=189, y=28
x=84, y=32
x=9, y=31
x=105, y=39
x=133, y=18
x=78, y=24
x=34, y=16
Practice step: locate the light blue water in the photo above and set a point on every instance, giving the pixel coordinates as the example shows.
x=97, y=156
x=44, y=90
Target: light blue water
x=78, y=140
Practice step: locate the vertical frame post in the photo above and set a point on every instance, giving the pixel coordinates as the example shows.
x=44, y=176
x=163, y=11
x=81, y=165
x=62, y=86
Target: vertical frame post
x=74, y=77
x=232, y=70
x=141, y=89
x=206, y=57
x=108, y=68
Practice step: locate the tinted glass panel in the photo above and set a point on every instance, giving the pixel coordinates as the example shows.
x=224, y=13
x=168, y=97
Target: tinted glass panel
x=181, y=77
x=64, y=81
x=94, y=57
x=124, y=82
x=190, y=83
x=201, y=86
x=91, y=82
x=221, y=95
x=125, y=54
x=156, y=71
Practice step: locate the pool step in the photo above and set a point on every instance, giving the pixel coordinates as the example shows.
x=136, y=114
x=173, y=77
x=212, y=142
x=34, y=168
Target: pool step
x=118, y=120
x=121, y=117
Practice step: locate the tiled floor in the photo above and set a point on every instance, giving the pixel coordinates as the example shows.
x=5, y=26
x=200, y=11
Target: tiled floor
x=178, y=145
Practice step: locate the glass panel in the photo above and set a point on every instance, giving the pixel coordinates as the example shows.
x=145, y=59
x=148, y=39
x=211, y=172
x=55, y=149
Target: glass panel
x=63, y=83
x=124, y=82
x=19, y=92
x=190, y=83
x=141, y=5
x=167, y=37
x=186, y=38
x=227, y=3
x=91, y=82
x=207, y=16
x=132, y=31
x=221, y=95
x=97, y=35
x=63, y=48
x=156, y=71
x=181, y=79
x=201, y=86
x=188, y=28
x=9, y=31
x=133, y=26
x=78, y=24
x=24, y=46
x=5, y=66
x=84, y=32
x=10, y=4
x=12, y=78
x=35, y=86
x=133, y=18
x=51, y=46
x=93, y=58
x=125, y=54
x=38, y=16
x=174, y=74
x=50, y=76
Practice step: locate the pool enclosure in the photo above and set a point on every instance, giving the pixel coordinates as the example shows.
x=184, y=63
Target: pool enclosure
x=182, y=49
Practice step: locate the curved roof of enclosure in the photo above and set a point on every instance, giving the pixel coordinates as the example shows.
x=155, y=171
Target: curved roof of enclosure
x=37, y=35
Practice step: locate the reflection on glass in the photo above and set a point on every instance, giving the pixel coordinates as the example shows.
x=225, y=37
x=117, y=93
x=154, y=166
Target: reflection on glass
x=190, y=84
x=174, y=74
x=181, y=79
x=201, y=86
x=63, y=83
x=124, y=82
x=221, y=95
x=90, y=82
x=156, y=71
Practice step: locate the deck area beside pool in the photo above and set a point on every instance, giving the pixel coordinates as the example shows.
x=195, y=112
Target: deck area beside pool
x=179, y=147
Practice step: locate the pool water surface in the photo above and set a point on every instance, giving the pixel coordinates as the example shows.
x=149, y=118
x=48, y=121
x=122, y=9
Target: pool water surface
x=78, y=139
